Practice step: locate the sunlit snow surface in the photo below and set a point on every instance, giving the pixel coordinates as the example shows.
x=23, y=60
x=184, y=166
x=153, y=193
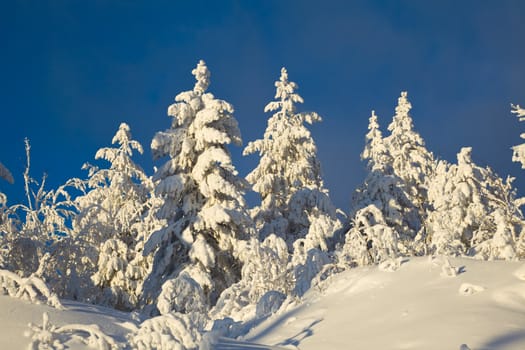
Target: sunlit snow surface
x=419, y=306
x=426, y=303
x=16, y=314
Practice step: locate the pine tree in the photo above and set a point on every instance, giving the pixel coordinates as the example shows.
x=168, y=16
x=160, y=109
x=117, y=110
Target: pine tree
x=445, y=222
x=204, y=206
x=380, y=200
x=413, y=164
x=375, y=151
x=111, y=215
x=288, y=176
x=475, y=212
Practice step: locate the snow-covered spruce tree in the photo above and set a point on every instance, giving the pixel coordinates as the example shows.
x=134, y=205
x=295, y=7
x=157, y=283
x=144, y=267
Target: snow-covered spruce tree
x=375, y=151
x=475, y=212
x=449, y=210
x=295, y=205
x=414, y=165
x=110, y=223
x=381, y=187
x=519, y=150
x=381, y=200
x=288, y=176
x=204, y=206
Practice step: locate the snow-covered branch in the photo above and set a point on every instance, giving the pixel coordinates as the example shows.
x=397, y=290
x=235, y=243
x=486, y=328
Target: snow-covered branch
x=518, y=155
x=519, y=111
x=49, y=336
x=31, y=288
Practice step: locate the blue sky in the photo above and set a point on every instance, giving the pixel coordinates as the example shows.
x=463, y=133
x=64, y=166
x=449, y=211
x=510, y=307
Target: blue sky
x=72, y=71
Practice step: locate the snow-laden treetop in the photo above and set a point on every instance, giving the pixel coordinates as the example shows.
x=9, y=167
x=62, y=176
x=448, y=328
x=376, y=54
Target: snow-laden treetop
x=123, y=138
x=120, y=158
x=374, y=141
x=373, y=124
x=402, y=121
x=285, y=94
x=202, y=75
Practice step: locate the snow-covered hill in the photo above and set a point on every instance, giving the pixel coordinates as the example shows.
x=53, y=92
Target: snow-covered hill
x=427, y=303
x=419, y=303
x=17, y=314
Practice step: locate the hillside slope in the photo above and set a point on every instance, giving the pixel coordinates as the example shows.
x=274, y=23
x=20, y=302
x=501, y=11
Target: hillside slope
x=17, y=314
x=426, y=303
x=420, y=303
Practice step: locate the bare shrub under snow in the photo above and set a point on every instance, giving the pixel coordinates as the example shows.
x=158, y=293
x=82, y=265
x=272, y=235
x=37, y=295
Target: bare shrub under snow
x=173, y=331
x=31, y=288
x=49, y=336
